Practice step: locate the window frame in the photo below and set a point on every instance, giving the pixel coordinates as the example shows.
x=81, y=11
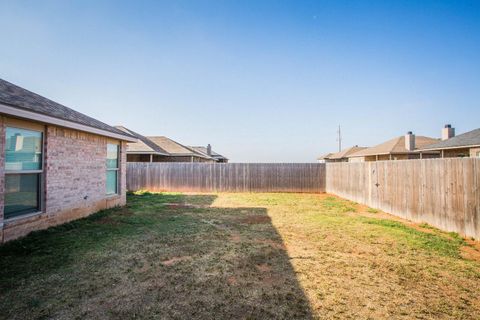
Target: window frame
x=117, y=170
x=31, y=126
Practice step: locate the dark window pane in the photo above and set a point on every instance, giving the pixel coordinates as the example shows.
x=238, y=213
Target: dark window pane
x=21, y=194
x=23, y=149
x=112, y=156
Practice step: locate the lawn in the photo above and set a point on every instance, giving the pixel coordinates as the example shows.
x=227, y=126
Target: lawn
x=247, y=256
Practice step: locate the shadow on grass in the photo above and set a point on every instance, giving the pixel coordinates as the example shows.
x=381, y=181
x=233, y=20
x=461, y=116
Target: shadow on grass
x=163, y=255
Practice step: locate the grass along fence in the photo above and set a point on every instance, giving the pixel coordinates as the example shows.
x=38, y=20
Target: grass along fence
x=227, y=177
x=444, y=193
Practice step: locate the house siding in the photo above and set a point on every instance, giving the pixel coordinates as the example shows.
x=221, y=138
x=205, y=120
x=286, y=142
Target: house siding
x=400, y=156
x=74, y=180
x=475, y=152
x=456, y=153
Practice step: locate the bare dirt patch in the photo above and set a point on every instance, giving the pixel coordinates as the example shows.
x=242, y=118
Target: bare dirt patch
x=232, y=280
x=263, y=267
x=175, y=260
x=471, y=251
x=235, y=237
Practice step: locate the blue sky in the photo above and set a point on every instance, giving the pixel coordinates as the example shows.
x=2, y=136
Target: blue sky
x=260, y=80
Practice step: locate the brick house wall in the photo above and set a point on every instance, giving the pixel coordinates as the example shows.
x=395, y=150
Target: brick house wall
x=74, y=180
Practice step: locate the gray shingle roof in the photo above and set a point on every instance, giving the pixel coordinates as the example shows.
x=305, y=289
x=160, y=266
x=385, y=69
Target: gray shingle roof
x=21, y=98
x=470, y=138
x=325, y=156
x=204, y=150
x=346, y=152
x=143, y=144
x=174, y=148
x=393, y=146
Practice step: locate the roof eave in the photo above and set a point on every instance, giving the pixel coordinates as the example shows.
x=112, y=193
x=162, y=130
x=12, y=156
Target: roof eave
x=24, y=114
x=449, y=148
x=148, y=152
x=190, y=155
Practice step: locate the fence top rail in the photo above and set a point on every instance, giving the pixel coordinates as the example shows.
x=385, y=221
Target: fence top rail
x=464, y=159
x=230, y=163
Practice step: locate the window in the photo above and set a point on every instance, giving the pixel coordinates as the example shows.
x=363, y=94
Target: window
x=112, y=168
x=478, y=154
x=23, y=171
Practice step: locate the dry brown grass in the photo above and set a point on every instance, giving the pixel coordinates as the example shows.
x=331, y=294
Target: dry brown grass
x=245, y=256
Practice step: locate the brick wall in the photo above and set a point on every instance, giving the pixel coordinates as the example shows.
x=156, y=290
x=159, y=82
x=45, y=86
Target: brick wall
x=75, y=180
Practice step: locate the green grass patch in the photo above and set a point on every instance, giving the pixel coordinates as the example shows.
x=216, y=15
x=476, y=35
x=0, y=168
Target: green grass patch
x=338, y=205
x=441, y=243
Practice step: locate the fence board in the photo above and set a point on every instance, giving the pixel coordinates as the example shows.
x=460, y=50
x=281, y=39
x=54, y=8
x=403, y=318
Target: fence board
x=227, y=177
x=444, y=193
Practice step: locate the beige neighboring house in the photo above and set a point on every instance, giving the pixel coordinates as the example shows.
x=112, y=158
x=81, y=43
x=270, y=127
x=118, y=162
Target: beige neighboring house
x=163, y=149
x=209, y=152
x=178, y=152
x=143, y=150
x=324, y=158
x=400, y=148
x=341, y=156
x=451, y=146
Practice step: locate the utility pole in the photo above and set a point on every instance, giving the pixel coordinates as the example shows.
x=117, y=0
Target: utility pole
x=339, y=139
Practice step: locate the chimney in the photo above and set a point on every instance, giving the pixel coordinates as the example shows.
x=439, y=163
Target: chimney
x=410, y=141
x=448, y=132
x=209, y=149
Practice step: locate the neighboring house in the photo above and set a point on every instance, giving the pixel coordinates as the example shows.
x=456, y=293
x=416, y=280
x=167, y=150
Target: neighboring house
x=144, y=150
x=342, y=156
x=463, y=145
x=209, y=152
x=400, y=148
x=56, y=164
x=161, y=149
x=178, y=152
x=324, y=158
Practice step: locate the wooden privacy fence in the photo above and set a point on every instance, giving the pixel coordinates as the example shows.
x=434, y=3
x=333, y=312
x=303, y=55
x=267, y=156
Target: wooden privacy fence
x=444, y=193
x=229, y=177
